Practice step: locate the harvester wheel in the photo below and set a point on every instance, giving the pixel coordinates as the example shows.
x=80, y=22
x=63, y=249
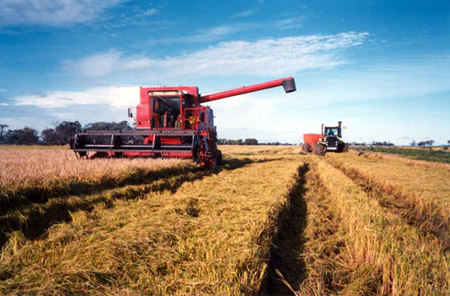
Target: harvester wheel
x=197, y=156
x=219, y=157
x=306, y=148
x=319, y=149
x=212, y=164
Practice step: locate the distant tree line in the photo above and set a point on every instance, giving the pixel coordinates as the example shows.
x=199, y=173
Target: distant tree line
x=373, y=143
x=424, y=143
x=249, y=141
x=230, y=142
x=59, y=135
x=385, y=143
x=62, y=132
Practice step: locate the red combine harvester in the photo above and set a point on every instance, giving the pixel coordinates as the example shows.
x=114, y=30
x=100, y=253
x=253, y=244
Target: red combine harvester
x=170, y=122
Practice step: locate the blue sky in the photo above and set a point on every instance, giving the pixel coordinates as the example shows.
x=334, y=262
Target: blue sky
x=382, y=67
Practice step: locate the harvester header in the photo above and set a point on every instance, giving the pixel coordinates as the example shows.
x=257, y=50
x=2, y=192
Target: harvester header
x=170, y=122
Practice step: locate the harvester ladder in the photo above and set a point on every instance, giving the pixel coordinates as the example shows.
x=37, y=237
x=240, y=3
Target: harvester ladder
x=112, y=142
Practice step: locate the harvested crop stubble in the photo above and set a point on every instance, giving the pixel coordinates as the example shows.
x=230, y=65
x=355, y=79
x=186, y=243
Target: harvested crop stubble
x=243, y=150
x=37, y=174
x=34, y=219
x=420, y=192
x=398, y=177
x=211, y=237
x=323, y=273
x=387, y=255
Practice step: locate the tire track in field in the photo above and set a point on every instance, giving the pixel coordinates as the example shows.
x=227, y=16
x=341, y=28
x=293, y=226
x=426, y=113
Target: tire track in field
x=286, y=268
x=420, y=217
x=303, y=254
x=329, y=268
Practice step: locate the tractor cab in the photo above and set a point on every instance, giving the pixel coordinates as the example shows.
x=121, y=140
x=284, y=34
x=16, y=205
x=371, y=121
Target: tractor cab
x=331, y=131
x=332, y=137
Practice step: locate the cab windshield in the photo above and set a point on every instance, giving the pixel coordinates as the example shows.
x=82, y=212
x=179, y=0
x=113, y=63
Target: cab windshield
x=331, y=131
x=166, y=112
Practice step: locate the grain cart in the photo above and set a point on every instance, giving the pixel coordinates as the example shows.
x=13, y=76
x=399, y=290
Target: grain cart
x=330, y=139
x=170, y=122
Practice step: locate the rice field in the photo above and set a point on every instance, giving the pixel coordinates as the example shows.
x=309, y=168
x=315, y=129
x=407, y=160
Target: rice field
x=268, y=221
x=435, y=154
x=31, y=169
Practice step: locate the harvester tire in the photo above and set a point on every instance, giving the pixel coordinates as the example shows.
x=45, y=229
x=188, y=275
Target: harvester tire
x=306, y=148
x=319, y=149
x=212, y=164
x=219, y=157
x=197, y=156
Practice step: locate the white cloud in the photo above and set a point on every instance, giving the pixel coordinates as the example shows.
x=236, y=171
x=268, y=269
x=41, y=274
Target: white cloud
x=220, y=32
x=201, y=36
x=265, y=57
x=151, y=11
x=260, y=115
x=51, y=12
x=244, y=13
x=102, y=64
x=290, y=23
x=113, y=96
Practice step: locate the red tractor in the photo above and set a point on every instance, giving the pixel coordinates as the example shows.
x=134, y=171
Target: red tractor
x=170, y=122
x=330, y=139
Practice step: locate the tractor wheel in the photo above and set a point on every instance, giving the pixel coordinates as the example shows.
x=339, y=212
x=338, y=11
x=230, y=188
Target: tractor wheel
x=306, y=148
x=319, y=149
x=345, y=148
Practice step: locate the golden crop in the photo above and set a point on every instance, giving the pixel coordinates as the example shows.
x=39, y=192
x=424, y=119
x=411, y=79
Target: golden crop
x=210, y=237
x=420, y=191
x=29, y=167
x=375, y=251
x=268, y=221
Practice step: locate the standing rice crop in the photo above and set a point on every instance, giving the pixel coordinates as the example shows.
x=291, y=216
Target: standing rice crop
x=34, y=175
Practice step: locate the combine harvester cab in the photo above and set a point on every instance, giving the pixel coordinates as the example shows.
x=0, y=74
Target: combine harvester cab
x=330, y=140
x=170, y=122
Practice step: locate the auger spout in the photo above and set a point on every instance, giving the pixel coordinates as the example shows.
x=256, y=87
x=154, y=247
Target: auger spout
x=288, y=84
